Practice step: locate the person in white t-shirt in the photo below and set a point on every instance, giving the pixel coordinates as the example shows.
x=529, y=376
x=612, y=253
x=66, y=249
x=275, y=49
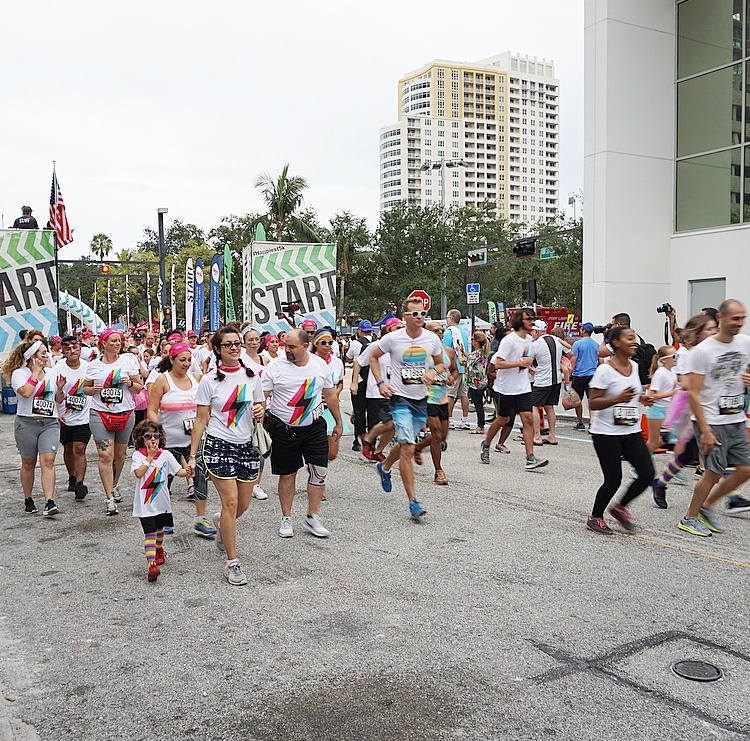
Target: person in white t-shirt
x=615, y=393
x=230, y=403
x=411, y=349
x=512, y=388
x=323, y=344
x=661, y=389
x=718, y=373
x=296, y=386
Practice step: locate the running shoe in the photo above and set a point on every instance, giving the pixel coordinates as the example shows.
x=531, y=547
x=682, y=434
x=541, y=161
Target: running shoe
x=443, y=445
x=580, y=427
x=81, y=491
x=633, y=473
x=234, y=575
x=659, y=494
x=112, y=508
x=598, y=525
x=708, y=518
x=736, y=505
x=356, y=447
x=385, y=478
x=153, y=572
x=217, y=526
x=698, y=474
x=161, y=556
x=50, y=508
x=29, y=506
x=258, y=493
x=440, y=477
x=313, y=525
x=464, y=425
x=694, y=526
x=622, y=516
x=484, y=455
x=500, y=448
x=71, y=483
x=168, y=530
x=378, y=457
x=190, y=495
x=286, y=530
x=416, y=510
x=203, y=527
x=533, y=462
x=453, y=425
x=116, y=493
x=367, y=453
x=680, y=479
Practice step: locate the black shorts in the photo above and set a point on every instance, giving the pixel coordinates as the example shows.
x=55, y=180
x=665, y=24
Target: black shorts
x=379, y=410
x=546, y=396
x=580, y=385
x=156, y=522
x=75, y=434
x=438, y=410
x=507, y=405
x=293, y=447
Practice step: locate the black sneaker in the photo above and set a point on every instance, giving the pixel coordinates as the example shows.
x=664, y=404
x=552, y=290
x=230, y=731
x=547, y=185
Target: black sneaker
x=50, y=508
x=356, y=447
x=736, y=505
x=81, y=491
x=30, y=508
x=698, y=472
x=598, y=525
x=659, y=494
x=71, y=483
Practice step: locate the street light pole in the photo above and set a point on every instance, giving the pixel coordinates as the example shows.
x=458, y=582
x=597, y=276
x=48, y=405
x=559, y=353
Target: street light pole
x=162, y=267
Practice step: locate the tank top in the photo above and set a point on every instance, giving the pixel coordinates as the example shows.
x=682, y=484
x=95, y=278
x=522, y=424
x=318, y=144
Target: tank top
x=177, y=410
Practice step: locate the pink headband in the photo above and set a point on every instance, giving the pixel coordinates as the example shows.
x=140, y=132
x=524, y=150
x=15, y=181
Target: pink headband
x=107, y=333
x=177, y=348
x=271, y=337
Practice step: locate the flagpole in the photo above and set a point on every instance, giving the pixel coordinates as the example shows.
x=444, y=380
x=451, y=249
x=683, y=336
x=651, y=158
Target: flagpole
x=148, y=294
x=127, y=299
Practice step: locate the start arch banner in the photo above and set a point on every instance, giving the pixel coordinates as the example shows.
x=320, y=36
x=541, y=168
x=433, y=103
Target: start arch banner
x=28, y=284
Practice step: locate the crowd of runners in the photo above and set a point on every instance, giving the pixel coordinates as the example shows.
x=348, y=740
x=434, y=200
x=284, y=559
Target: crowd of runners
x=217, y=408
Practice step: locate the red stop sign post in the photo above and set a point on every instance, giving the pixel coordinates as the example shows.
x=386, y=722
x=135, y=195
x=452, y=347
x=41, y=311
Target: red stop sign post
x=419, y=293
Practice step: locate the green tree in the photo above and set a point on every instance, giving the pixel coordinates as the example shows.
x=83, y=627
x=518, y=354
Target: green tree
x=177, y=236
x=101, y=245
x=283, y=197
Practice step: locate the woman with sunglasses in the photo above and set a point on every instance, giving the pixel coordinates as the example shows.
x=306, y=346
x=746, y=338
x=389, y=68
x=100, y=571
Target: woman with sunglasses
x=111, y=382
x=661, y=389
x=230, y=402
x=36, y=428
x=323, y=346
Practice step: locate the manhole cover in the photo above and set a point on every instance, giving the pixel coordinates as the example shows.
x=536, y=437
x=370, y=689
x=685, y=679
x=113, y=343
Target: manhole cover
x=697, y=671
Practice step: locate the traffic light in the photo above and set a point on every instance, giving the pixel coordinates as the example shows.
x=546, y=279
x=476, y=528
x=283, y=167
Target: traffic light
x=525, y=248
x=477, y=257
x=106, y=269
x=528, y=291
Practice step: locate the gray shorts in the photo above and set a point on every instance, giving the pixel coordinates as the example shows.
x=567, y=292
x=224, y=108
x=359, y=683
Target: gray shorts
x=35, y=436
x=459, y=389
x=99, y=432
x=734, y=449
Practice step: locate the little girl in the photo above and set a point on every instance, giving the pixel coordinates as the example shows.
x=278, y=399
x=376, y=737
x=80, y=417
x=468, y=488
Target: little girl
x=152, y=466
x=663, y=385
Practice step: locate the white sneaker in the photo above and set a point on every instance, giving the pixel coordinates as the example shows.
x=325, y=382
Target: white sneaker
x=112, y=508
x=286, y=530
x=453, y=425
x=258, y=493
x=116, y=493
x=313, y=524
x=464, y=425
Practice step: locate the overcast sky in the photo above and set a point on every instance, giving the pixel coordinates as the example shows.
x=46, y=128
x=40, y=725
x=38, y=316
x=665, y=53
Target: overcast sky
x=182, y=104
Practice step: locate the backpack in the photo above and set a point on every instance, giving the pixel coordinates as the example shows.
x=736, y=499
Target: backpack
x=644, y=353
x=364, y=371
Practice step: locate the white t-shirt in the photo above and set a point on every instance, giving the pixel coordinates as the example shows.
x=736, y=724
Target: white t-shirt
x=385, y=370
x=151, y=490
x=409, y=360
x=231, y=403
x=250, y=363
x=662, y=381
x=75, y=408
x=115, y=396
x=88, y=353
x=621, y=419
x=356, y=348
x=336, y=369
x=297, y=397
x=721, y=365
x=682, y=355
x=543, y=376
x=513, y=381
x=41, y=404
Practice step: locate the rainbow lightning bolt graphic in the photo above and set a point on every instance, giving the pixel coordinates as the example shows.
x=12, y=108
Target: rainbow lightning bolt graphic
x=302, y=401
x=154, y=481
x=237, y=405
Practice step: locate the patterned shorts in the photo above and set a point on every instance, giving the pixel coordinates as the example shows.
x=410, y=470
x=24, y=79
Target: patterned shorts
x=225, y=460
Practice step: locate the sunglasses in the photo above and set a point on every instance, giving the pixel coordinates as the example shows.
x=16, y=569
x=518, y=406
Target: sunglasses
x=237, y=343
x=416, y=313
x=325, y=342
x=151, y=436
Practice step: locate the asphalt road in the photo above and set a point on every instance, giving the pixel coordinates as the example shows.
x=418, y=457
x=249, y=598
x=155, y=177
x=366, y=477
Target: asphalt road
x=498, y=617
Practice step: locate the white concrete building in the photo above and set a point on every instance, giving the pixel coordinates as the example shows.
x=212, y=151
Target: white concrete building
x=667, y=158
x=489, y=128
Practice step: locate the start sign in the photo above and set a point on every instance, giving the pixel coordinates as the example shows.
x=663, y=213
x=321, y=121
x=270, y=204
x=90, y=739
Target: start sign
x=418, y=293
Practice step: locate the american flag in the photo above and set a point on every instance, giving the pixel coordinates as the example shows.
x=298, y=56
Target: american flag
x=57, y=218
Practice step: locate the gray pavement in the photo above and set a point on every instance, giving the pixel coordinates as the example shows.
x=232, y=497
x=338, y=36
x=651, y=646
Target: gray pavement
x=498, y=617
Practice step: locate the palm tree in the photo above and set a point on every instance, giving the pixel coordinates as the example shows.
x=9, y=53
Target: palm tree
x=101, y=245
x=283, y=198
x=349, y=233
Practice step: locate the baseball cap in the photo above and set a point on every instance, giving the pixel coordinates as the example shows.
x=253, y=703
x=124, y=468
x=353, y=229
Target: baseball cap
x=587, y=327
x=365, y=326
x=191, y=333
x=540, y=325
x=26, y=209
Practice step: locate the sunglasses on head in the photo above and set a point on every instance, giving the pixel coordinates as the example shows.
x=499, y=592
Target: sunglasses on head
x=151, y=436
x=416, y=313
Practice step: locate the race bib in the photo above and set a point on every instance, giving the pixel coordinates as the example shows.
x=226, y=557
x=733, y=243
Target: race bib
x=75, y=403
x=43, y=407
x=441, y=378
x=624, y=415
x=318, y=411
x=187, y=426
x=388, y=372
x=112, y=395
x=731, y=404
x=411, y=375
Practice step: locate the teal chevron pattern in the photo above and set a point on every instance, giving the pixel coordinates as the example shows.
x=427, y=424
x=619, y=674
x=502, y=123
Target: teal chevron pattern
x=82, y=311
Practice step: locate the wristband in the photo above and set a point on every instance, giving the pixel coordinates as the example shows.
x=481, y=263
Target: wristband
x=33, y=380
x=380, y=383
x=192, y=456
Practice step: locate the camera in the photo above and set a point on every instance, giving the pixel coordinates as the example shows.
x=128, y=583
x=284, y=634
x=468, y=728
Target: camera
x=602, y=328
x=664, y=309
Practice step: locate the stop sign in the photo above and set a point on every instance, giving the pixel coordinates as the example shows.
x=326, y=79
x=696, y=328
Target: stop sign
x=419, y=293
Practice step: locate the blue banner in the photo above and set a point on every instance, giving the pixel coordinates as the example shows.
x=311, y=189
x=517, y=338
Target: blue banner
x=199, y=297
x=214, y=308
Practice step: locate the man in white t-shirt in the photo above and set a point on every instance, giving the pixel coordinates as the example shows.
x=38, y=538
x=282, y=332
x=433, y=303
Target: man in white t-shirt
x=410, y=349
x=295, y=387
x=716, y=378
x=512, y=387
x=545, y=393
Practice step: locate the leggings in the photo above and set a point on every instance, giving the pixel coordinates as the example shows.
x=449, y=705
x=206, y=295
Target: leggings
x=477, y=399
x=609, y=448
